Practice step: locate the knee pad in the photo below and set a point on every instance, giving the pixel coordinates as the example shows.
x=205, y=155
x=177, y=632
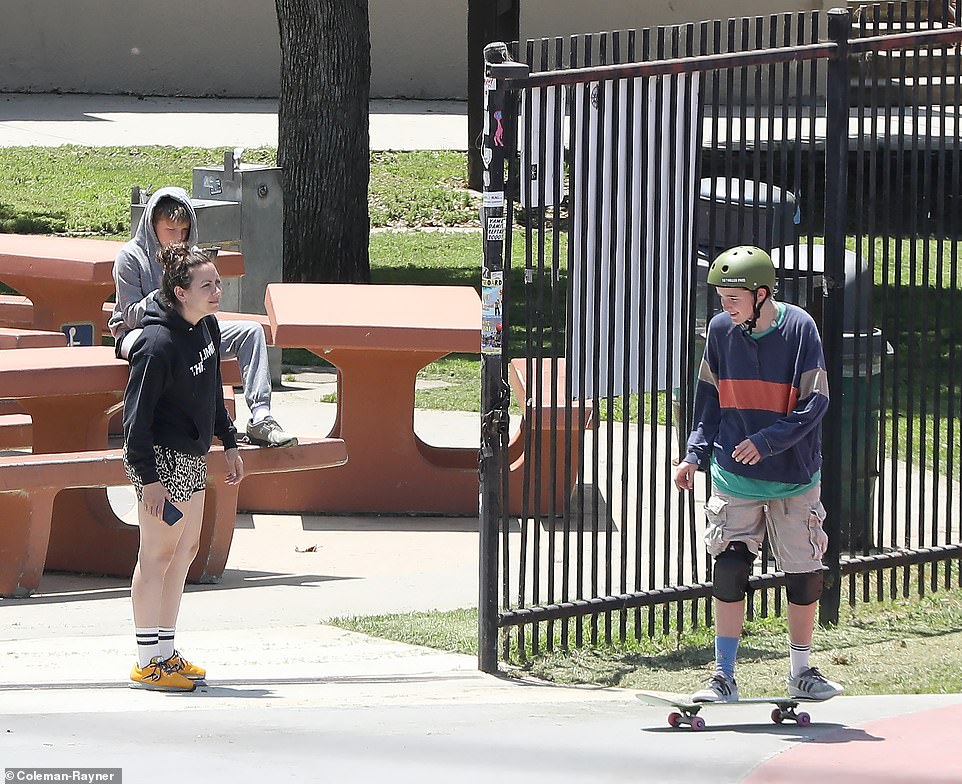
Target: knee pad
x=732, y=568
x=804, y=588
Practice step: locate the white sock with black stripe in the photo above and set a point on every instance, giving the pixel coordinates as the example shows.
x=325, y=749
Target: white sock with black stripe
x=166, y=636
x=148, y=645
x=799, y=656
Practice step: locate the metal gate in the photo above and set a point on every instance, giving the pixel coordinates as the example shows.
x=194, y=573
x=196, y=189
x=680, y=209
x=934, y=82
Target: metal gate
x=616, y=166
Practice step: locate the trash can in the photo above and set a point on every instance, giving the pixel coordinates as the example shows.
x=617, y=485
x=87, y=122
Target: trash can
x=800, y=271
x=735, y=212
x=861, y=394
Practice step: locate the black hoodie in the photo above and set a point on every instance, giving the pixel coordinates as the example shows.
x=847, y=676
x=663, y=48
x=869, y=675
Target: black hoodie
x=174, y=396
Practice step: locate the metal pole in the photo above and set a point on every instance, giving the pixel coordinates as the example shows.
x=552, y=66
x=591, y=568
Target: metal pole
x=488, y=20
x=836, y=182
x=496, y=147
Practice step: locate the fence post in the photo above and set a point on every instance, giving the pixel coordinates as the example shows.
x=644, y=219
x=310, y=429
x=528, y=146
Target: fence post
x=497, y=146
x=836, y=183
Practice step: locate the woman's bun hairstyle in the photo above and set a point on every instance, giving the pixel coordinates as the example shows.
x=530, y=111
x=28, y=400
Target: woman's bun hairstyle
x=178, y=261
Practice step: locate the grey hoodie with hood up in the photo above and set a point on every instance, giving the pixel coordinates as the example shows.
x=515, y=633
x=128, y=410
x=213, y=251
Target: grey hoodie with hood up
x=136, y=270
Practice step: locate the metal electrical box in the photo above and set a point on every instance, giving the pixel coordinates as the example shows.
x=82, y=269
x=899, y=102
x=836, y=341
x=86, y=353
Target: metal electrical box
x=256, y=190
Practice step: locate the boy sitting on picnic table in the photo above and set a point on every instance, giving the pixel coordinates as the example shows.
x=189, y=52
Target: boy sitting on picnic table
x=169, y=219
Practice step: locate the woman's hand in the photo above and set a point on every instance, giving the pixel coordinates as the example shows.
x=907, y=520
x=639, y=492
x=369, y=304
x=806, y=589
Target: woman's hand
x=154, y=496
x=235, y=466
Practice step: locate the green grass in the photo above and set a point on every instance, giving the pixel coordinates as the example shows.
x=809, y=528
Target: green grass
x=86, y=191
x=462, y=377
x=917, y=302
x=415, y=189
x=906, y=646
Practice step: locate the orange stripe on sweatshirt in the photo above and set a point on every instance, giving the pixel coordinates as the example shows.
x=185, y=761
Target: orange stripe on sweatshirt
x=757, y=395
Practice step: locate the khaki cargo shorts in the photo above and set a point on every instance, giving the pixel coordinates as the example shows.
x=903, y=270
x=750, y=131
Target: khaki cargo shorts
x=794, y=527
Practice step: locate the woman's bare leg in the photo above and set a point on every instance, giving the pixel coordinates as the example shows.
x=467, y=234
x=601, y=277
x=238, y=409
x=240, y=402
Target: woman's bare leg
x=183, y=557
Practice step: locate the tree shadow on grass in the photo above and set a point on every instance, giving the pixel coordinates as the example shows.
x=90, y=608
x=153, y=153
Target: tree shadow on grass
x=15, y=221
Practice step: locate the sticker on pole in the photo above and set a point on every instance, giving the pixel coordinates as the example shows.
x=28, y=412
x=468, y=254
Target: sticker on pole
x=495, y=226
x=491, y=336
x=492, y=324
x=499, y=131
x=493, y=199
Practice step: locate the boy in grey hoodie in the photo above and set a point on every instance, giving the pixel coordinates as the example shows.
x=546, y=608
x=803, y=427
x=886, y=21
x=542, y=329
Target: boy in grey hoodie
x=169, y=218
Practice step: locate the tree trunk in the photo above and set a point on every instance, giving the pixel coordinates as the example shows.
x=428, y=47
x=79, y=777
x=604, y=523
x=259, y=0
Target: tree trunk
x=488, y=21
x=323, y=143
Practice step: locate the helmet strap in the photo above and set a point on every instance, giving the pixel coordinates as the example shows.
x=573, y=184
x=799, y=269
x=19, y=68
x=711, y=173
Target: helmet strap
x=756, y=312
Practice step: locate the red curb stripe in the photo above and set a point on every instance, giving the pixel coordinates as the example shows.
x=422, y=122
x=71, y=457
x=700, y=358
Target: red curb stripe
x=918, y=748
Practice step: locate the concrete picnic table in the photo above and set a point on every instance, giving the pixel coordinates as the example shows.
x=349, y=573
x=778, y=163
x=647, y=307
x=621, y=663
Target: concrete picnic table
x=68, y=279
x=70, y=394
x=378, y=338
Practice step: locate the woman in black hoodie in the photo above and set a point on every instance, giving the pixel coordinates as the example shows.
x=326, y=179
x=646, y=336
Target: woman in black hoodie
x=173, y=406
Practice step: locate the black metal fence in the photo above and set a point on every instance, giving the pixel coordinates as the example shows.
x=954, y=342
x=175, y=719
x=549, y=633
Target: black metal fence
x=632, y=159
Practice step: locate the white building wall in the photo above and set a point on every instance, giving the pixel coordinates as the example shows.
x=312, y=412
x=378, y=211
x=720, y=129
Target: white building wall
x=230, y=47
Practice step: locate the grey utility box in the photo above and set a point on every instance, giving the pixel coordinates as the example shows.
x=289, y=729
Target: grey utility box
x=239, y=206
x=256, y=190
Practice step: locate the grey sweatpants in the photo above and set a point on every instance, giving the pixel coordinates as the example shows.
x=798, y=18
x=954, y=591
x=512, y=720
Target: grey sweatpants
x=245, y=340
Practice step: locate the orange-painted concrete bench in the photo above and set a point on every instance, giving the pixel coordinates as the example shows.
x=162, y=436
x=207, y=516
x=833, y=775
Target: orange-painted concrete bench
x=225, y=315
x=549, y=424
x=15, y=425
x=30, y=338
x=29, y=485
x=16, y=311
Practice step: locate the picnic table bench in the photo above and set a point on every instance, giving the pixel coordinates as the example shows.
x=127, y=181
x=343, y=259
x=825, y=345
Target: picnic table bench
x=70, y=394
x=32, y=537
x=15, y=426
x=537, y=487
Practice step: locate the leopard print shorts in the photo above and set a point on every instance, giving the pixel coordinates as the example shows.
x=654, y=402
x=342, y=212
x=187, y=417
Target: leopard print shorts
x=181, y=475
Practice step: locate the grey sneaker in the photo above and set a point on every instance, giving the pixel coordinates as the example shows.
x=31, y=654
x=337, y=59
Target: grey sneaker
x=812, y=685
x=268, y=433
x=719, y=688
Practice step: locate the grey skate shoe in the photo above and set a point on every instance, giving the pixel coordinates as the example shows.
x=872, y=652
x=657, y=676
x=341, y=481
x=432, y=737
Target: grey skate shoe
x=719, y=688
x=813, y=685
x=268, y=433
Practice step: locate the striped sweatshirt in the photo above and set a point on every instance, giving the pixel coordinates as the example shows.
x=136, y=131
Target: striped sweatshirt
x=773, y=390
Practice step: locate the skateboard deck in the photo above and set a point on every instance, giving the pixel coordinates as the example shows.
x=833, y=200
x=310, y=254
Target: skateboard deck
x=687, y=711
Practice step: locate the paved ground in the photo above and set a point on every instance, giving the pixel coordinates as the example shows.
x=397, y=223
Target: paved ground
x=117, y=120
x=292, y=699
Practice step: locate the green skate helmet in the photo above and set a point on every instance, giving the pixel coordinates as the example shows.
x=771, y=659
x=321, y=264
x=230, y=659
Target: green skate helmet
x=743, y=267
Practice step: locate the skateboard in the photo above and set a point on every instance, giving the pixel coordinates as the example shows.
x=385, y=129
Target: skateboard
x=687, y=713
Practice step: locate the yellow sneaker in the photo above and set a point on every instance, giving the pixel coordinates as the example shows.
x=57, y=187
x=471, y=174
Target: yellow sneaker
x=157, y=676
x=181, y=666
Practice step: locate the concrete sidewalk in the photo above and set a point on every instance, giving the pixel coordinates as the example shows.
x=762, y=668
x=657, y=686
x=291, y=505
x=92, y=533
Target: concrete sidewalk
x=126, y=121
